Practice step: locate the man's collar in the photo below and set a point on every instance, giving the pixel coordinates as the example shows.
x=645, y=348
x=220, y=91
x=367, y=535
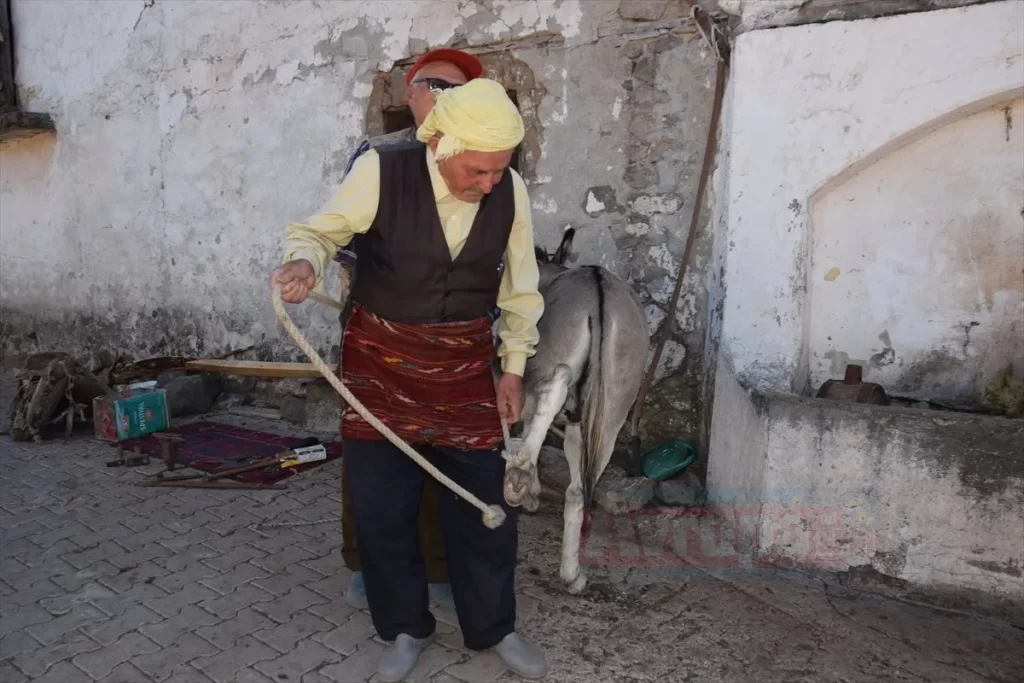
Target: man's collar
x=441, y=190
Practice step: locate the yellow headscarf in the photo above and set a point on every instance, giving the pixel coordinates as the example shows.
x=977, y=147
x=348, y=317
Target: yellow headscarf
x=477, y=116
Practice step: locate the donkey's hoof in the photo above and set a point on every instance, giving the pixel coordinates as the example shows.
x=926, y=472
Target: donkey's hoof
x=531, y=503
x=517, y=486
x=576, y=585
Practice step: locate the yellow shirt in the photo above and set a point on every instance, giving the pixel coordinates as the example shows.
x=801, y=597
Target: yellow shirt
x=354, y=206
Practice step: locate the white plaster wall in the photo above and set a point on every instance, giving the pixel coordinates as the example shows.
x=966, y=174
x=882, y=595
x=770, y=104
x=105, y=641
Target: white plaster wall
x=735, y=476
x=190, y=133
x=917, y=263
x=809, y=103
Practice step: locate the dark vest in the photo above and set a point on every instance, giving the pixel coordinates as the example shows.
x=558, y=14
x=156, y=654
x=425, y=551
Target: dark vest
x=405, y=272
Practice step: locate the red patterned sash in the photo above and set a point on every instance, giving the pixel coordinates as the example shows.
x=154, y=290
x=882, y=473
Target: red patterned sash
x=430, y=384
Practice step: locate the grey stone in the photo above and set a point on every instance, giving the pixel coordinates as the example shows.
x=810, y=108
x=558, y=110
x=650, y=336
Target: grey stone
x=191, y=394
x=229, y=605
x=323, y=408
x=245, y=653
x=282, y=609
x=618, y=494
x=187, y=648
x=38, y=662
x=52, y=631
x=109, y=631
x=170, y=605
x=552, y=469
x=100, y=663
x=300, y=660
x=347, y=637
x=226, y=634
x=64, y=672
x=643, y=10
x=480, y=668
x=17, y=643
x=168, y=631
x=360, y=667
x=8, y=674
x=125, y=673
x=293, y=409
x=685, y=489
x=287, y=578
x=284, y=637
x=242, y=573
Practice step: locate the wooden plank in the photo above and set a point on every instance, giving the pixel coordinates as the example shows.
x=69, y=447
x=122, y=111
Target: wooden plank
x=253, y=368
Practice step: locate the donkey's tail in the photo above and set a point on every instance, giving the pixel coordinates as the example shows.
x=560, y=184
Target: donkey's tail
x=596, y=396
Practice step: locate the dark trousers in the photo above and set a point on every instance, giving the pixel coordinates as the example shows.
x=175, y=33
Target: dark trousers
x=386, y=489
x=431, y=539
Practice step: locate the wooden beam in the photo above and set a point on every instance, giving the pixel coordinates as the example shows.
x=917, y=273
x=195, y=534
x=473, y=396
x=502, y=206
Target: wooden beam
x=253, y=368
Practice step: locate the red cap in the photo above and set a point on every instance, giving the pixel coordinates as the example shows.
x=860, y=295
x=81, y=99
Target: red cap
x=469, y=64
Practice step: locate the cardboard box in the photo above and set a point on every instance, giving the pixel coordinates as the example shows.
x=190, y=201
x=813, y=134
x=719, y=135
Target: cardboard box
x=130, y=415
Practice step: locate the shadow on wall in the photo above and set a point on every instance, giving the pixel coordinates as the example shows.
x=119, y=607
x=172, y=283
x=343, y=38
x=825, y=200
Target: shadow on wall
x=916, y=269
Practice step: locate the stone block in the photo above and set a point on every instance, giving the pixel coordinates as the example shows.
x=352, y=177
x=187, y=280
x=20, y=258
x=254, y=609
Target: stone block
x=552, y=469
x=642, y=10
x=191, y=394
x=293, y=409
x=684, y=490
x=323, y=408
x=618, y=494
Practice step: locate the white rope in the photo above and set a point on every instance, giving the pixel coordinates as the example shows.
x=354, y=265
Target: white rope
x=493, y=515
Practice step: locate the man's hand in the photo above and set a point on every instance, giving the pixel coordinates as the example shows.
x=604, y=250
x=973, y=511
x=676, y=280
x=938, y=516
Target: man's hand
x=296, y=279
x=510, y=397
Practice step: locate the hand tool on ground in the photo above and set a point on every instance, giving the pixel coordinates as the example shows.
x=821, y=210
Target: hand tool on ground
x=289, y=458
x=199, y=484
x=493, y=515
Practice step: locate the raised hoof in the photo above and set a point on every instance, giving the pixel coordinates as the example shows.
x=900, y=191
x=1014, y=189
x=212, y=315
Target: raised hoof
x=517, y=486
x=531, y=503
x=576, y=585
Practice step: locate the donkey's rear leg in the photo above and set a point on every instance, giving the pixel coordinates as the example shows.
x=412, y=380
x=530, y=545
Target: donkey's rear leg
x=573, y=577
x=572, y=574
x=522, y=486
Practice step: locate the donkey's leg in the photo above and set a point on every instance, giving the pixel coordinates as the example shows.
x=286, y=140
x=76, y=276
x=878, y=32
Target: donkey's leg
x=572, y=575
x=522, y=486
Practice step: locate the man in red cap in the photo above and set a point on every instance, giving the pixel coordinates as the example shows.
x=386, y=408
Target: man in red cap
x=435, y=71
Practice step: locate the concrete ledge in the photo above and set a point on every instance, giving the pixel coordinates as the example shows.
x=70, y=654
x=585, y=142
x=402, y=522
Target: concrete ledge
x=932, y=500
x=23, y=124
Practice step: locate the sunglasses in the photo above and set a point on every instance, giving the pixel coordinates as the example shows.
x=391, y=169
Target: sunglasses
x=436, y=85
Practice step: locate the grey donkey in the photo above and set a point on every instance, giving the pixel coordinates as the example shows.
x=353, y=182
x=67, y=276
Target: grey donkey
x=584, y=378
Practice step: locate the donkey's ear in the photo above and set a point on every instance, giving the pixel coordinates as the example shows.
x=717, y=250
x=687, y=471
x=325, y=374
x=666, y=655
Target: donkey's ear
x=541, y=255
x=562, y=255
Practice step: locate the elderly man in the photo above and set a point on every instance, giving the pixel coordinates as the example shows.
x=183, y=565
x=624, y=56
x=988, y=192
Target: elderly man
x=434, y=72
x=435, y=220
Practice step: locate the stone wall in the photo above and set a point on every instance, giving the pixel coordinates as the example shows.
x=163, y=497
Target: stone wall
x=189, y=133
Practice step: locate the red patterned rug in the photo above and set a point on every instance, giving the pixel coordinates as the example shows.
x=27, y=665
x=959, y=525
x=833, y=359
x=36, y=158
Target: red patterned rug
x=212, y=446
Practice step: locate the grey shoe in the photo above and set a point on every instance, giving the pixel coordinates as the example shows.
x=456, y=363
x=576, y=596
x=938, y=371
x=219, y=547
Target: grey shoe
x=400, y=658
x=441, y=595
x=522, y=656
x=355, y=596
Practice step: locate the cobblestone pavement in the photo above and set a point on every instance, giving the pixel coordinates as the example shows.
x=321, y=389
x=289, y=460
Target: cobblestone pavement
x=105, y=581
